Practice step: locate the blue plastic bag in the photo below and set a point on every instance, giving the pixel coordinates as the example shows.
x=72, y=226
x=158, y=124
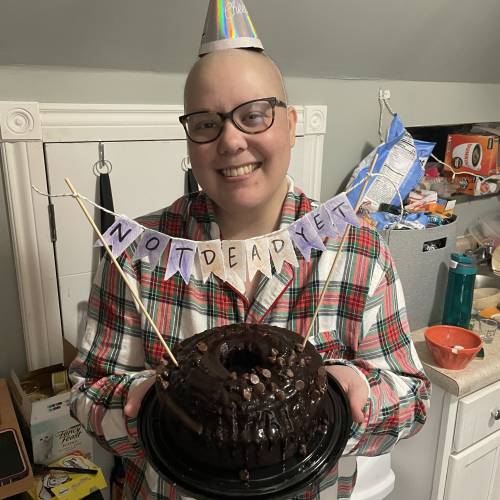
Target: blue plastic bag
x=401, y=159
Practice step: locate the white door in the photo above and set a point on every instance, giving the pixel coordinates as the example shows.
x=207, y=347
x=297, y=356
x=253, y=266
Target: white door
x=474, y=473
x=146, y=176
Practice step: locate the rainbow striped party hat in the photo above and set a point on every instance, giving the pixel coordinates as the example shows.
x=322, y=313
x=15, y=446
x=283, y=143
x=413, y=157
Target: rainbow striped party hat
x=228, y=26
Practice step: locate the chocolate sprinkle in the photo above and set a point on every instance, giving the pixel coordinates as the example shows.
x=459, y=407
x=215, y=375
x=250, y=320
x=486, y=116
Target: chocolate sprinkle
x=247, y=394
x=202, y=347
x=260, y=388
x=299, y=347
x=244, y=475
x=299, y=385
x=280, y=394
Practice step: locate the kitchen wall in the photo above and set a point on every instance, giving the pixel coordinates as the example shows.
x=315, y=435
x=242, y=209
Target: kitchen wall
x=352, y=131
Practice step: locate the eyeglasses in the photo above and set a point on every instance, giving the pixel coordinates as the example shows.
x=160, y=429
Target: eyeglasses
x=252, y=117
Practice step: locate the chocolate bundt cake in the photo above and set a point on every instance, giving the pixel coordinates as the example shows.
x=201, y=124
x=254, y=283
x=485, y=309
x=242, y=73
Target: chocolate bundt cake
x=243, y=396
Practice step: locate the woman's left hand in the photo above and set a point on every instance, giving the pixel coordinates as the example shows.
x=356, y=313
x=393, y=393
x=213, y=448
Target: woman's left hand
x=355, y=388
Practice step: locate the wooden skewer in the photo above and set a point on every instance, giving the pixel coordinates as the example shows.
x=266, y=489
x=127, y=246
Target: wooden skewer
x=339, y=251
x=138, y=301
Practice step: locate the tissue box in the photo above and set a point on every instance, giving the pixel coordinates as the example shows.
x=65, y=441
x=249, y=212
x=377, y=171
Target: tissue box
x=54, y=432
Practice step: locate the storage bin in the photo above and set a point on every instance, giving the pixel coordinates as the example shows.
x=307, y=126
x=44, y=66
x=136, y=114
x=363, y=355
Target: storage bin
x=421, y=258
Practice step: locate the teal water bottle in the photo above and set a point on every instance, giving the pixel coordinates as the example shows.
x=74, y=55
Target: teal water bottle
x=459, y=291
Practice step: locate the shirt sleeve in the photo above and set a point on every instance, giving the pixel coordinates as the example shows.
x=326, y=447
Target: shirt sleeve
x=385, y=357
x=110, y=362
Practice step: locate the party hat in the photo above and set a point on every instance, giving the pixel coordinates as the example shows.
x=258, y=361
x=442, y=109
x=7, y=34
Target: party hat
x=228, y=26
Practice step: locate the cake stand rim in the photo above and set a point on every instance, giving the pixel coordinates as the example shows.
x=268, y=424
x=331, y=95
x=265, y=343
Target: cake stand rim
x=314, y=476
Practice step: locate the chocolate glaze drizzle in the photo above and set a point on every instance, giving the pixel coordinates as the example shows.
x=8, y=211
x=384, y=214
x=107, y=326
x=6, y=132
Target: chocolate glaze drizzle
x=245, y=395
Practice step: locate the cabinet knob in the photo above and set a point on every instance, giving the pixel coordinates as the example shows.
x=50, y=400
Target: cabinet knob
x=496, y=414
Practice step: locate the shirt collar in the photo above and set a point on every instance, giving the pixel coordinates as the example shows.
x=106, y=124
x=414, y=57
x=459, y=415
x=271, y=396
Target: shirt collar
x=296, y=205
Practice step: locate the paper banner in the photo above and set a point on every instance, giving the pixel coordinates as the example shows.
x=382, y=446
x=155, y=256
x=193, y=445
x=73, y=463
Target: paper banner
x=341, y=213
x=181, y=258
x=235, y=261
x=281, y=248
x=258, y=257
x=120, y=235
x=211, y=259
x=234, y=254
x=322, y=223
x=152, y=245
x=305, y=237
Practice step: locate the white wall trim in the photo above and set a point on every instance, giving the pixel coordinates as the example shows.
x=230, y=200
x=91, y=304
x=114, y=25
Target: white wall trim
x=24, y=128
x=33, y=254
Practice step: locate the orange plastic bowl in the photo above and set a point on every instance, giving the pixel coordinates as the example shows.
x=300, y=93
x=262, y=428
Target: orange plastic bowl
x=442, y=338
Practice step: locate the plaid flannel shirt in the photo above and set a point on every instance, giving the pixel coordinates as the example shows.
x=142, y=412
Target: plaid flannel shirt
x=362, y=324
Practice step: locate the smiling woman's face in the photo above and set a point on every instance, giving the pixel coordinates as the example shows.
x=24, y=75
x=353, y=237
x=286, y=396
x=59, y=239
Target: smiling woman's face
x=240, y=171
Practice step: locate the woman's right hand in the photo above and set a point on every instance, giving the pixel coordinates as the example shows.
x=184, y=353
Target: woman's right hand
x=136, y=395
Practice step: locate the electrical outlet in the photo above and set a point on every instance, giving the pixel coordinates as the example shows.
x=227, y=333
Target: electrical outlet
x=384, y=94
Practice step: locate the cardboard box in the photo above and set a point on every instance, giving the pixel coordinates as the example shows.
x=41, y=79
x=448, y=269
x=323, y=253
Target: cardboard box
x=8, y=420
x=486, y=130
x=54, y=432
x=66, y=486
x=469, y=153
x=472, y=186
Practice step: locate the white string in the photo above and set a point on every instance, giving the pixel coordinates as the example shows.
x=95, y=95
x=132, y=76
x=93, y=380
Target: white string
x=381, y=112
x=123, y=216
x=386, y=103
x=382, y=101
x=93, y=203
x=455, y=173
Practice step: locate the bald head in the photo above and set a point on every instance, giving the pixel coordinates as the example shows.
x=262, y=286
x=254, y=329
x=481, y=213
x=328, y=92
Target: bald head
x=227, y=63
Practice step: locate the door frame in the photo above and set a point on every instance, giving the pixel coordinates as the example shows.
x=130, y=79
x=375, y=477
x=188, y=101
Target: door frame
x=24, y=128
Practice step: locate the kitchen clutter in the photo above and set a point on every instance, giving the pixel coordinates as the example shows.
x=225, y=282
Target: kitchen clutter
x=411, y=198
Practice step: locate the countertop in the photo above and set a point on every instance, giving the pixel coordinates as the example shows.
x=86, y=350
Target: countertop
x=479, y=373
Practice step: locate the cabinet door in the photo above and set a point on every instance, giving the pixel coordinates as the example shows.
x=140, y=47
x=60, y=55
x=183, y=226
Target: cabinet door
x=146, y=176
x=475, y=472
x=474, y=416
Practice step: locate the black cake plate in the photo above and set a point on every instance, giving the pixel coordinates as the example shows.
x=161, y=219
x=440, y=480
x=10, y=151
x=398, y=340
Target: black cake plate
x=277, y=482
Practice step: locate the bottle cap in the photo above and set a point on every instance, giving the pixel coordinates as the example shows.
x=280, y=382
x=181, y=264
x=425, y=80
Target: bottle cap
x=462, y=264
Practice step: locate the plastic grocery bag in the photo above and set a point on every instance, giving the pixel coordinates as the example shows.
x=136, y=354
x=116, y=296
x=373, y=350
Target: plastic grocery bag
x=401, y=164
